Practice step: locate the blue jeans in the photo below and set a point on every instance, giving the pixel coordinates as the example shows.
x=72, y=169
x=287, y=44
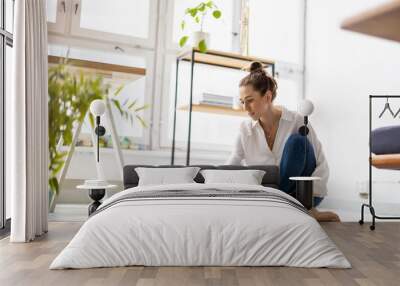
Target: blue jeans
x=298, y=159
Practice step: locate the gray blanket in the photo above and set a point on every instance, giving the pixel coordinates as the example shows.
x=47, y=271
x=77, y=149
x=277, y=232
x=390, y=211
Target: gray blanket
x=207, y=194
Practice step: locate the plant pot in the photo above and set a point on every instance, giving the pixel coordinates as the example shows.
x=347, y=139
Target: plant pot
x=199, y=36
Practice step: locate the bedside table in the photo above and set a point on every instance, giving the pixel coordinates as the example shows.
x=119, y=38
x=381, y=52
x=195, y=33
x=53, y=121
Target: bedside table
x=304, y=190
x=96, y=193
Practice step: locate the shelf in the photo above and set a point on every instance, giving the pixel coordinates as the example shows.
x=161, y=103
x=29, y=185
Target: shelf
x=161, y=154
x=222, y=59
x=387, y=161
x=215, y=109
x=111, y=71
x=382, y=21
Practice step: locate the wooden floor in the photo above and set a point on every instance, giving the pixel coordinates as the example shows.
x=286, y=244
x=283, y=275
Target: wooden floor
x=375, y=257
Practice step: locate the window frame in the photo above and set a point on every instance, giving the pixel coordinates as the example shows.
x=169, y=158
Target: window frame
x=172, y=49
x=62, y=12
x=67, y=32
x=108, y=47
x=137, y=42
x=6, y=39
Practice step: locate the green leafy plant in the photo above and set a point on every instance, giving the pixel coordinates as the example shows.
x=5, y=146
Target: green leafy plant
x=198, y=14
x=70, y=96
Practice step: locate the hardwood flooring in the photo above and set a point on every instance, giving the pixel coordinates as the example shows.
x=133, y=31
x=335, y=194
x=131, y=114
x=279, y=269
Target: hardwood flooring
x=374, y=255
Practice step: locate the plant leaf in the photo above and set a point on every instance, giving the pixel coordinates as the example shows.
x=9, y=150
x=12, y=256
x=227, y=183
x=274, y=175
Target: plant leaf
x=202, y=46
x=183, y=41
x=119, y=89
x=197, y=19
x=54, y=184
x=118, y=106
x=217, y=14
x=141, y=121
x=59, y=167
x=201, y=7
x=132, y=104
x=91, y=120
x=193, y=12
x=183, y=25
x=142, y=107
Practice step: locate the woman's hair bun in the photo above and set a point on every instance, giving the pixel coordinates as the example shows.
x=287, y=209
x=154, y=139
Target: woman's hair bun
x=256, y=67
x=259, y=79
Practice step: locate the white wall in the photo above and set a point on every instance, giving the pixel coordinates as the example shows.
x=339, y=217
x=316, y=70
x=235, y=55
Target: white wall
x=342, y=69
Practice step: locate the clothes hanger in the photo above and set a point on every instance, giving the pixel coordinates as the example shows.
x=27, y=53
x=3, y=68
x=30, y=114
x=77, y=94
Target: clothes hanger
x=387, y=107
x=397, y=113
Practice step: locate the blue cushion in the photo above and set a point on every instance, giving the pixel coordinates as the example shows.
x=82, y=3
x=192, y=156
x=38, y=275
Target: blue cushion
x=386, y=140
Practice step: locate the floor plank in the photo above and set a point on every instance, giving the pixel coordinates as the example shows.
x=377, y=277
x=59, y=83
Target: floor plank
x=374, y=255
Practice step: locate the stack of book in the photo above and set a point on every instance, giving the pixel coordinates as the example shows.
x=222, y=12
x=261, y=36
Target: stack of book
x=216, y=100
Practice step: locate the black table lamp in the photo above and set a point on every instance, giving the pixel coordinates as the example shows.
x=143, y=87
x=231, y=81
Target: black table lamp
x=304, y=188
x=97, y=108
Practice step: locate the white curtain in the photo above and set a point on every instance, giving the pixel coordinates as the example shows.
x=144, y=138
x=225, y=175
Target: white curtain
x=29, y=123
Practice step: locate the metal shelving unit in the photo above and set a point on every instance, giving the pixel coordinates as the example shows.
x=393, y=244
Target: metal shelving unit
x=212, y=58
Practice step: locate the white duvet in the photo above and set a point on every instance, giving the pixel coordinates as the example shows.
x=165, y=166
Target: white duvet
x=206, y=231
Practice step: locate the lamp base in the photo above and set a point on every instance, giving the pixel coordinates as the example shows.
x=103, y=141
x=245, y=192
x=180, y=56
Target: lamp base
x=100, y=130
x=96, y=195
x=303, y=130
x=304, y=193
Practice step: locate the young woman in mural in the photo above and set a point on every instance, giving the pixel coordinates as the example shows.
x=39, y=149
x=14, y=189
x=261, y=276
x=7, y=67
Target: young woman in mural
x=272, y=137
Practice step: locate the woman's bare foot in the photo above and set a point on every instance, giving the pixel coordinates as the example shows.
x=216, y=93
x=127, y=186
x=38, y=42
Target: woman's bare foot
x=324, y=216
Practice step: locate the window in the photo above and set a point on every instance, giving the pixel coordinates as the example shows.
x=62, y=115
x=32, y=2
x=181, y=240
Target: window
x=212, y=132
x=133, y=17
x=134, y=22
x=277, y=32
x=216, y=131
x=56, y=12
x=274, y=33
x=134, y=84
x=222, y=31
x=6, y=42
x=9, y=15
x=125, y=37
x=51, y=9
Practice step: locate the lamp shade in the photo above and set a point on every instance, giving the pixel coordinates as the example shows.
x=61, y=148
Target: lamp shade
x=305, y=107
x=97, y=107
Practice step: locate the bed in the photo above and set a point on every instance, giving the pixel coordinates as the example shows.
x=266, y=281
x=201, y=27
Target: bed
x=198, y=224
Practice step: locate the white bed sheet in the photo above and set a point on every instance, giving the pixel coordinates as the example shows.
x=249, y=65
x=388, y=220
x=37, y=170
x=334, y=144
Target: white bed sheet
x=218, y=232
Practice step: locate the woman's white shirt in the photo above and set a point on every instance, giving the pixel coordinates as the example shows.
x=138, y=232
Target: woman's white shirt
x=251, y=146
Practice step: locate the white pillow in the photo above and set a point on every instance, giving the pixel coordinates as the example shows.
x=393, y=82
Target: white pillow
x=248, y=177
x=163, y=176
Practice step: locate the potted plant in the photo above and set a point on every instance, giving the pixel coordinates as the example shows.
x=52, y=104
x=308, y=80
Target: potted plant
x=200, y=39
x=70, y=95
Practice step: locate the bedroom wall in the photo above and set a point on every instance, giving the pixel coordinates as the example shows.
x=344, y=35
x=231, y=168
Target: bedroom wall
x=342, y=69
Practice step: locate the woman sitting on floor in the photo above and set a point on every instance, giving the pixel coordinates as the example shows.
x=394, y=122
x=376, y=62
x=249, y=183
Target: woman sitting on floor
x=272, y=137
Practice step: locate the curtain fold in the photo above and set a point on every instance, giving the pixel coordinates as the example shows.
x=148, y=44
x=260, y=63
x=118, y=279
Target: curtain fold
x=29, y=123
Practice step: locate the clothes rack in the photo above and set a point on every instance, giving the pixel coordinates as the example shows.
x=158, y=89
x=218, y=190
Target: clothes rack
x=392, y=164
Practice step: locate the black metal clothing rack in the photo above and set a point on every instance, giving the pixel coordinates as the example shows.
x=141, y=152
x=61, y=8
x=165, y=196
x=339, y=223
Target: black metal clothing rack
x=190, y=56
x=370, y=203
